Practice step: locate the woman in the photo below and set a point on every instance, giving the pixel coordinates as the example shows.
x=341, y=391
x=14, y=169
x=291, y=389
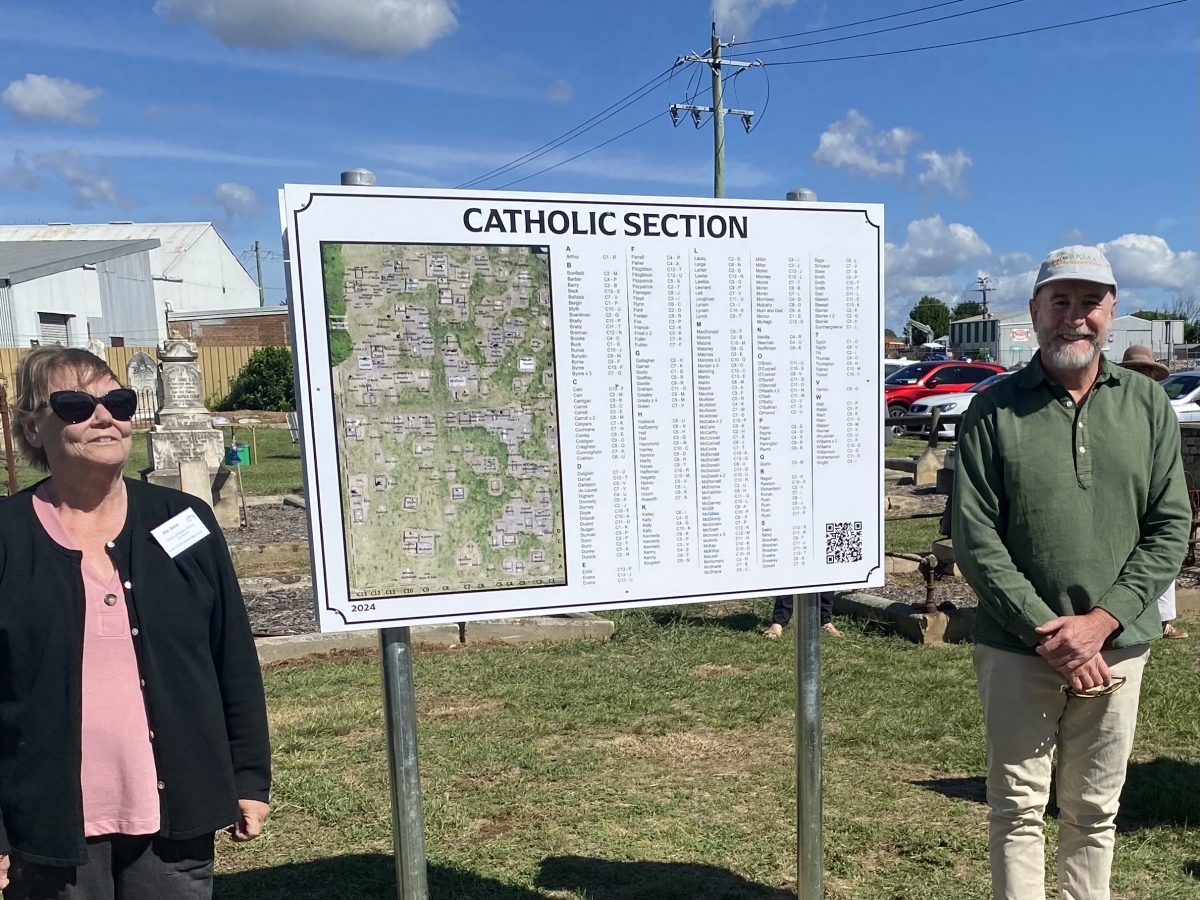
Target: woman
x=132, y=718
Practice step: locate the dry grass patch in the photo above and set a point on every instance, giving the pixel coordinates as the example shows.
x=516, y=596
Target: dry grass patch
x=708, y=670
x=447, y=708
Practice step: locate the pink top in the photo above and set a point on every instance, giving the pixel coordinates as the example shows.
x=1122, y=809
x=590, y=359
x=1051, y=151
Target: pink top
x=117, y=774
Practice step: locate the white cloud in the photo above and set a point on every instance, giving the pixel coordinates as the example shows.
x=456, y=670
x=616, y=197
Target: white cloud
x=930, y=262
x=735, y=18
x=19, y=176
x=44, y=97
x=235, y=199
x=934, y=248
x=852, y=143
x=1147, y=261
x=361, y=28
x=561, y=91
x=945, y=170
x=88, y=178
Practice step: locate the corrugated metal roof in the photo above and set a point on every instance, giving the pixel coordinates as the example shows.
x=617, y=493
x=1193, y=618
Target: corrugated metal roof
x=174, y=237
x=22, y=261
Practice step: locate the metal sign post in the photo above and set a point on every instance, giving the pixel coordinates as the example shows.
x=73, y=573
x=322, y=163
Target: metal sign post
x=400, y=716
x=810, y=869
x=400, y=709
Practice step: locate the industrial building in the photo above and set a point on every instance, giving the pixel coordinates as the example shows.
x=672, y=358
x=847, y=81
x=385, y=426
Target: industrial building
x=1010, y=340
x=189, y=269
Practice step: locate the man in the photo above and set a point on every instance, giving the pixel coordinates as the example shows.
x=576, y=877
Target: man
x=1070, y=519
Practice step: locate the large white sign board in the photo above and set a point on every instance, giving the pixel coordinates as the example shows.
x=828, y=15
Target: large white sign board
x=518, y=404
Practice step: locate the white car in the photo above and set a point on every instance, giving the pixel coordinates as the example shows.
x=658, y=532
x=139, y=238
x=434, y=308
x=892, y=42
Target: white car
x=1184, y=390
x=948, y=405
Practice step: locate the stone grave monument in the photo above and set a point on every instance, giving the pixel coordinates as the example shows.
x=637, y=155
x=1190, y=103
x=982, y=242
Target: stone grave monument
x=184, y=433
x=141, y=374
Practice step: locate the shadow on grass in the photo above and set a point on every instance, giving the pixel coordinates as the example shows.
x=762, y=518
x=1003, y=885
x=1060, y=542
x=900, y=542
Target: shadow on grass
x=972, y=789
x=1161, y=792
x=366, y=876
x=602, y=879
x=1193, y=868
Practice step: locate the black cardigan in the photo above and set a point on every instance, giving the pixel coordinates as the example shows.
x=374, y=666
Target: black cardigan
x=195, y=654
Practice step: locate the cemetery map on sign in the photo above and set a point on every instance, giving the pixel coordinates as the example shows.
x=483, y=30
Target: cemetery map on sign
x=444, y=398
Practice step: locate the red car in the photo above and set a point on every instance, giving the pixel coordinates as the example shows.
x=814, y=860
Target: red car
x=922, y=379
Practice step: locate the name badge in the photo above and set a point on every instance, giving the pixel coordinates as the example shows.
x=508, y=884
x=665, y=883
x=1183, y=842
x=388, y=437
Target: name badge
x=180, y=532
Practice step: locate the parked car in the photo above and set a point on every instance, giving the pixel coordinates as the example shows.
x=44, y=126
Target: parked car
x=948, y=405
x=922, y=379
x=1184, y=390
x=892, y=366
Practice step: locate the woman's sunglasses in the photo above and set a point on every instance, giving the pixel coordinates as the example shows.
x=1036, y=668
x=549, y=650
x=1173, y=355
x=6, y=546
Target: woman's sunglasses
x=74, y=407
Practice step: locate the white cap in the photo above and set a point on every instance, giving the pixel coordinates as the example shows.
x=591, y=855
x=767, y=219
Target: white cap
x=1075, y=262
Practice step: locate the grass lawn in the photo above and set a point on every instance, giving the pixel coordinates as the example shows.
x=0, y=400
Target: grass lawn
x=660, y=766
x=276, y=471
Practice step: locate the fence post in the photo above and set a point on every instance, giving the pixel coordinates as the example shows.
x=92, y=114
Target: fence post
x=9, y=458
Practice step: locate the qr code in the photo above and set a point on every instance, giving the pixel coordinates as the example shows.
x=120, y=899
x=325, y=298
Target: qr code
x=843, y=542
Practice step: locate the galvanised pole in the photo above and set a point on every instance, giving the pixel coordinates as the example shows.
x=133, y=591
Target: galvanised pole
x=400, y=710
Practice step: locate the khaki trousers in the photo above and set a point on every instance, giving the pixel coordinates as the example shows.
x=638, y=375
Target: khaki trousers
x=1028, y=720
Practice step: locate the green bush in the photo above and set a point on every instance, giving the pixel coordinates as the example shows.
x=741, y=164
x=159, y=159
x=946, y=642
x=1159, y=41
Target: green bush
x=265, y=382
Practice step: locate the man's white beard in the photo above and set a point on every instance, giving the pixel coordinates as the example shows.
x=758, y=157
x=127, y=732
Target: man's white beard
x=1070, y=355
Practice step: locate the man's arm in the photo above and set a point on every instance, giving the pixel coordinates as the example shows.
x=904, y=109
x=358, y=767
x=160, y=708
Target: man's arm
x=1071, y=641
x=1165, y=525
x=980, y=513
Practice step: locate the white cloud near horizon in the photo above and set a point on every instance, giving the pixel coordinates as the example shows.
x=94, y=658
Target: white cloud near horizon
x=46, y=97
x=88, y=178
x=1147, y=261
x=945, y=170
x=853, y=143
x=359, y=28
x=735, y=18
x=236, y=199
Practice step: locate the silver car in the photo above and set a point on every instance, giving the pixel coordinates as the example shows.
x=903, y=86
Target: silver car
x=1184, y=390
x=947, y=405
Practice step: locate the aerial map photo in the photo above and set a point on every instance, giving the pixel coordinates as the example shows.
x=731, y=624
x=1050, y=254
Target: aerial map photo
x=444, y=397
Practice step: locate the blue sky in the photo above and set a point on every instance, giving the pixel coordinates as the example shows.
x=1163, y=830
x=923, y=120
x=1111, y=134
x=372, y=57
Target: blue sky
x=986, y=155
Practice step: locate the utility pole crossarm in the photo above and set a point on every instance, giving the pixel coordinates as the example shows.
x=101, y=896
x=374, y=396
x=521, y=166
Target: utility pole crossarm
x=713, y=60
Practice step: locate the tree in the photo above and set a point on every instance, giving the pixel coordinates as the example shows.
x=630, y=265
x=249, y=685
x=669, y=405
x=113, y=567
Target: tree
x=932, y=312
x=265, y=382
x=966, y=309
x=887, y=332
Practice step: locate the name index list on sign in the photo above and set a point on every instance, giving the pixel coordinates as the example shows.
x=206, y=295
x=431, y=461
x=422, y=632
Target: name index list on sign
x=711, y=391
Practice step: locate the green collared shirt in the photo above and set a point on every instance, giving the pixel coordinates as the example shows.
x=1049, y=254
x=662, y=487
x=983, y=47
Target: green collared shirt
x=1060, y=508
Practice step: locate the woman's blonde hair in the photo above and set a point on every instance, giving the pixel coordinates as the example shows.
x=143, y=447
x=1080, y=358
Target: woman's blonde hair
x=33, y=375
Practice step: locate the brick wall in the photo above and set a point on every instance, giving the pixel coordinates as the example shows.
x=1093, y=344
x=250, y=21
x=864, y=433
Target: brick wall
x=1190, y=438
x=267, y=330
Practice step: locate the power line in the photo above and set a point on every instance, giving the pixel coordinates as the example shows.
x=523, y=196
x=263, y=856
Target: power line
x=980, y=40
x=784, y=37
x=583, y=127
x=851, y=37
x=657, y=115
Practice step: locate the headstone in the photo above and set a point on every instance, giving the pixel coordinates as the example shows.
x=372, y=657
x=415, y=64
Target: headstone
x=141, y=375
x=184, y=440
x=184, y=430
x=193, y=479
x=928, y=464
x=96, y=348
